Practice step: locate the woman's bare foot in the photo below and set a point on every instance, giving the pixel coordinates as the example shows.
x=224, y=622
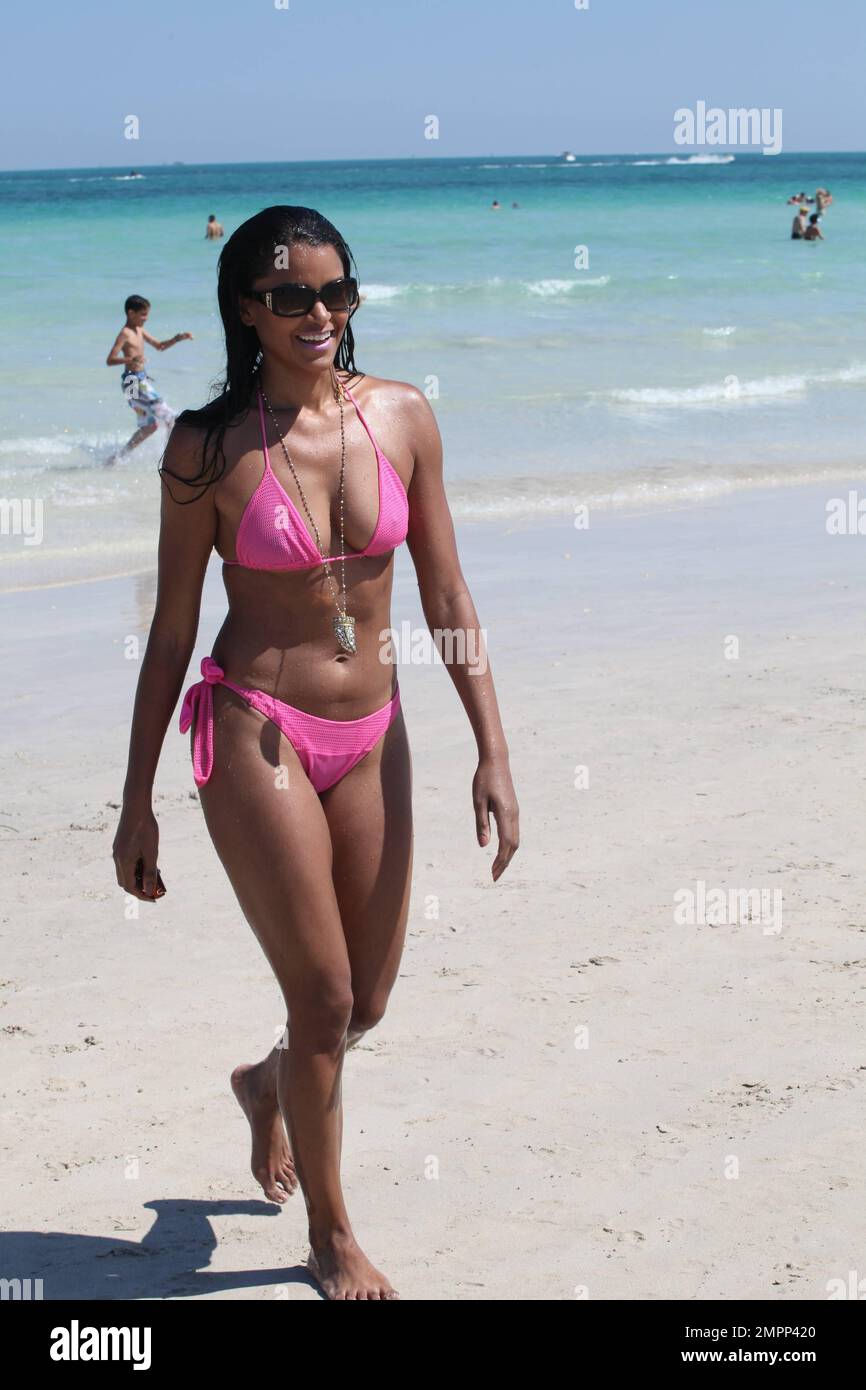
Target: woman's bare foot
x=341, y=1268
x=271, y=1163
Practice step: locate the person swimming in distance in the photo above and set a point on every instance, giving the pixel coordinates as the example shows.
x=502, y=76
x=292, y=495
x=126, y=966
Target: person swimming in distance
x=214, y=230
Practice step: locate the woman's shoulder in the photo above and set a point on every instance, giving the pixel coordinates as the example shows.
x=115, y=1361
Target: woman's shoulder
x=380, y=390
x=217, y=414
x=202, y=445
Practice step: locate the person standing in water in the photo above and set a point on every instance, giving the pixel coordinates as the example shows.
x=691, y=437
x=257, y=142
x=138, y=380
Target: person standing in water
x=813, y=231
x=128, y=352
x=800, y=223
x=214, y=230
x=299, y=743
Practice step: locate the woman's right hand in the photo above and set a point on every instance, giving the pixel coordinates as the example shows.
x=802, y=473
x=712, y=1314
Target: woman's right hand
x=135, y=847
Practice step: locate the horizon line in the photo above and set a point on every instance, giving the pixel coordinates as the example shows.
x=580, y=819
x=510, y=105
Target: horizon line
x=738, y=150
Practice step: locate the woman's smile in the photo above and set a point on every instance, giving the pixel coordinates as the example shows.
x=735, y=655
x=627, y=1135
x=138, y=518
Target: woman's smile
x=315, y=342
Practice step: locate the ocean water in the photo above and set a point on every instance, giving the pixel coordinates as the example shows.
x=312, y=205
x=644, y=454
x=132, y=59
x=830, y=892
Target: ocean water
x=693, y=350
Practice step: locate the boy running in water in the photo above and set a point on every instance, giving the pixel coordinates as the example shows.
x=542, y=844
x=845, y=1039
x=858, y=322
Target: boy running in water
x=128, y=352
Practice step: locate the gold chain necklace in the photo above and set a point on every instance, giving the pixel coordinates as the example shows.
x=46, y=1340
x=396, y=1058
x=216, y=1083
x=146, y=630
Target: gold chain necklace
x=344, y=623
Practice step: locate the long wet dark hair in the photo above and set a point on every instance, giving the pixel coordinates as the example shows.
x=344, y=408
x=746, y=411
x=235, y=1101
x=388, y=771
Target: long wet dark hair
x=249, y=253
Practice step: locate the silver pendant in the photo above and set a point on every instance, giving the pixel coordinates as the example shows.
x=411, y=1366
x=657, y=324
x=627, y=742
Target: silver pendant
x=344, y=626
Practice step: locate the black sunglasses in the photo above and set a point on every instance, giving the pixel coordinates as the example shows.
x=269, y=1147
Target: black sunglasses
x=291, y=300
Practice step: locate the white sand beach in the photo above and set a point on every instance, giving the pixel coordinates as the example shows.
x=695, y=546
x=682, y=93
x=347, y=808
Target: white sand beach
x=572, y=1093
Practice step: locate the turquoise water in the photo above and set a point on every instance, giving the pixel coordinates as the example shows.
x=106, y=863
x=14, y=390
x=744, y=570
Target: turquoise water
x=700, y=350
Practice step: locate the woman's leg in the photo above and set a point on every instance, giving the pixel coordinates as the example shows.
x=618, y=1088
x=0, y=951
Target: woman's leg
x=369, y=812
x=255, y=1089
x=275, y=845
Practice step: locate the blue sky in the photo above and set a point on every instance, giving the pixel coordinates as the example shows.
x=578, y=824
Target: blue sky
x=212, y=81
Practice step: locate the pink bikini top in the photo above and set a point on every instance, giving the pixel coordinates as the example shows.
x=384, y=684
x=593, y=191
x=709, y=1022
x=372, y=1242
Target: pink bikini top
x=272, y=535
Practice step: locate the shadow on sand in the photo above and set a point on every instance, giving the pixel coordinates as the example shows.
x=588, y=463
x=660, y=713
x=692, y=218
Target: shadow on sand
x=167, y=1263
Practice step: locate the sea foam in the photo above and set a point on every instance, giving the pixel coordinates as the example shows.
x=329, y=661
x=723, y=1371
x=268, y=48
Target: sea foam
x=732, y=389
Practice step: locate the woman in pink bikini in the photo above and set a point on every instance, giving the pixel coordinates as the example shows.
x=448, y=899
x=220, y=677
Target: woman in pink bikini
x=298, y=740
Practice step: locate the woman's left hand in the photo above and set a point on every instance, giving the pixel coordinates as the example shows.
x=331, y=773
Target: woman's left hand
x=493, y=791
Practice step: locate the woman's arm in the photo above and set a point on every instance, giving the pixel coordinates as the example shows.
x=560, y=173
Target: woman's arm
x=186, y=539
x=451, y=617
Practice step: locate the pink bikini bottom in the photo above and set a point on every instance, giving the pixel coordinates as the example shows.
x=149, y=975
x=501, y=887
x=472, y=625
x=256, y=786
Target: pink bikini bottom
x=327, y=748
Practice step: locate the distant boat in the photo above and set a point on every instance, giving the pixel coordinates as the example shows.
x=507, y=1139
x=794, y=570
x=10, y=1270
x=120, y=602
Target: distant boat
x=566, y=154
